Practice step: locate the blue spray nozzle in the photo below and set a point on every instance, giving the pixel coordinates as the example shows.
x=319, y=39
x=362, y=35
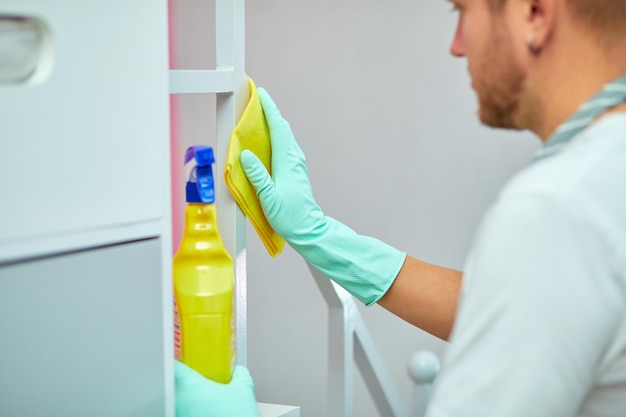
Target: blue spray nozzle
x=202, y=154
x=200, y=185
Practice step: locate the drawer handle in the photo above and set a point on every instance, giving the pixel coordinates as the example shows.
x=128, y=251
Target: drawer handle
x=26, y=50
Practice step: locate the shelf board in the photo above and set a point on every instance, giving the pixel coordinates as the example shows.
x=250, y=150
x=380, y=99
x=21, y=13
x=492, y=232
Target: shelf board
x=201, y=81
x=276, y=410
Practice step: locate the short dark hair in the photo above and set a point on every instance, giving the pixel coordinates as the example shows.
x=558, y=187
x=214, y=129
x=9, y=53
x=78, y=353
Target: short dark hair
x=606, y=16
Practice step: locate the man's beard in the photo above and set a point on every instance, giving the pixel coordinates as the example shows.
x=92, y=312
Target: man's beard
x=500, y=87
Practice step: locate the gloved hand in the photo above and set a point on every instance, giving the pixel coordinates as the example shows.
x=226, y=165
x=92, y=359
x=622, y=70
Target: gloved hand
x=197, y=396
x=364, y=266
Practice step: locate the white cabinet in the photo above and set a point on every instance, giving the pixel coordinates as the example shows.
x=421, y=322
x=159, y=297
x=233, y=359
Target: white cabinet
x=85, y=217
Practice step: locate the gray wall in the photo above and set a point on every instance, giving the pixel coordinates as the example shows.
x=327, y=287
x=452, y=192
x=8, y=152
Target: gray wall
x=388, y=122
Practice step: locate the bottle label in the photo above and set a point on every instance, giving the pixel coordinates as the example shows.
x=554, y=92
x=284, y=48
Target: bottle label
x=177, y=338
x=233, y=336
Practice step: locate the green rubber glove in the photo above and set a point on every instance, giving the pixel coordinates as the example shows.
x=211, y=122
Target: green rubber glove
x=197, y=396
x=364, y=266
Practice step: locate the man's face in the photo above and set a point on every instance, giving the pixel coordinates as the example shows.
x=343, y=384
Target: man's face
x=483, y=37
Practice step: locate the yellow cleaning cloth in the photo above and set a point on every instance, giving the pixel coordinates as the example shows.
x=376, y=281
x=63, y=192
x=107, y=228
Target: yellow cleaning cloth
x=251, y=132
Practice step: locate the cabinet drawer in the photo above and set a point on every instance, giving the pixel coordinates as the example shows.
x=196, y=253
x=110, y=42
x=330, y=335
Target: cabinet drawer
x=82, y=334
x=88, y=148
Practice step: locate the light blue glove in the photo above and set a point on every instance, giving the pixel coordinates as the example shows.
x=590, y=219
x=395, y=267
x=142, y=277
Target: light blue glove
x=197, y=396
x=364, y=266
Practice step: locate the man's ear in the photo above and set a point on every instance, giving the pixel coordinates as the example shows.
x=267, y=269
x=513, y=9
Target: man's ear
x=540, y=21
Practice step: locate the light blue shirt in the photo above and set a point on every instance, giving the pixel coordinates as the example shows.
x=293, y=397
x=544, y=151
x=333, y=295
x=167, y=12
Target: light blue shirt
x=541, y=326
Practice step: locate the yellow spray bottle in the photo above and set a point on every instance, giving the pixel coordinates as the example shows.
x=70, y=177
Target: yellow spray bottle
x=203, y=279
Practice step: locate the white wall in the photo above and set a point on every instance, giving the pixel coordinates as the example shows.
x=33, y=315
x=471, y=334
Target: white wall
x=388, y=122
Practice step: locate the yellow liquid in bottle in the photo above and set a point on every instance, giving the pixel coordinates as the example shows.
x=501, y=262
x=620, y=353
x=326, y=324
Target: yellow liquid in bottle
x=203, y=291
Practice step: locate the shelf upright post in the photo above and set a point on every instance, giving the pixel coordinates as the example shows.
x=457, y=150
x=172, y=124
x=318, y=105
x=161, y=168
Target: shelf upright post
x=230, y=56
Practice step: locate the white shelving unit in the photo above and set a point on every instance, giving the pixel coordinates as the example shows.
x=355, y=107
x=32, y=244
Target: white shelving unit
x=229, y=83
x=85, y=222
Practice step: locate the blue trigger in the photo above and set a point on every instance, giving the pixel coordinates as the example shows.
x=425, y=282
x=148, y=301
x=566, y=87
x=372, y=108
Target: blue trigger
x=206, y=190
